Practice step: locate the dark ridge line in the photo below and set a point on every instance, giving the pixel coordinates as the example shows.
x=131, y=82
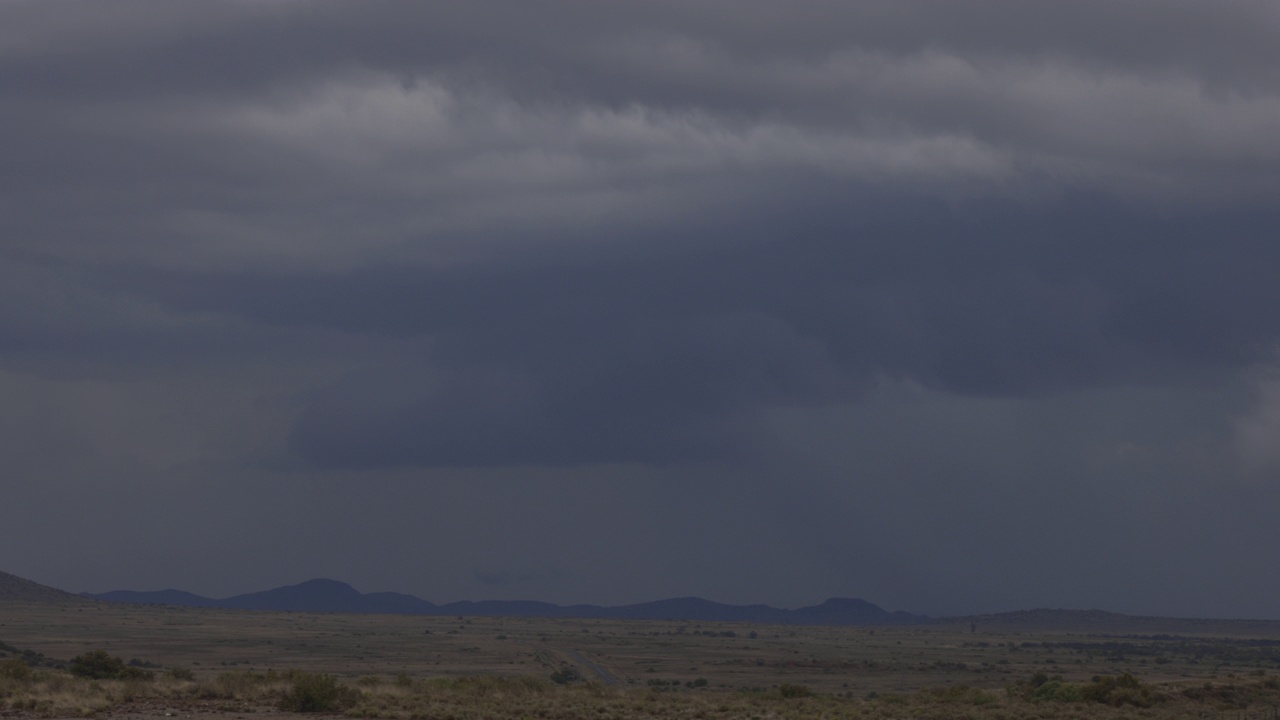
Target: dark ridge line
x=322, y=595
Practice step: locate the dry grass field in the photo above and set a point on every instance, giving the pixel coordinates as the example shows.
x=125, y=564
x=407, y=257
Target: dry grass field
x=1040, y=665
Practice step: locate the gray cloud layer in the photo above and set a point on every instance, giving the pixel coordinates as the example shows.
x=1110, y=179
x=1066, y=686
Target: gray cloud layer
x=900, y=298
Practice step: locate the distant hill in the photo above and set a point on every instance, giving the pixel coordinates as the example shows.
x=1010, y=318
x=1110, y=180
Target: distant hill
x=333, y=596
x=16, y=589
x=322, y=595
x=328, y=596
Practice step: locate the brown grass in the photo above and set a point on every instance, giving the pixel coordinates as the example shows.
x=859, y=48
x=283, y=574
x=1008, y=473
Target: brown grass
x=447, y=667
x=55, y=694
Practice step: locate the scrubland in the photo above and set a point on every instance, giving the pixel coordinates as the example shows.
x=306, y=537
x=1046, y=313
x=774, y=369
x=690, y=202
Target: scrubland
x=99, y=660
x=59, y=694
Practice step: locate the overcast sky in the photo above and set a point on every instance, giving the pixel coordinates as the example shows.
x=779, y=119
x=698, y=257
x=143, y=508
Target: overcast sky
x=954, y=307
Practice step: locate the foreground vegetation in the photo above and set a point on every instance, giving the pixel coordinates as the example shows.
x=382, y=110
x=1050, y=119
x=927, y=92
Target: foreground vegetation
x=72, y=661
x=96, y=683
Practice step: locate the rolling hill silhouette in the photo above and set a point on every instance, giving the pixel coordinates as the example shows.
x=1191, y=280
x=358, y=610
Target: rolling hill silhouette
x=332, y=596
x=322, y=595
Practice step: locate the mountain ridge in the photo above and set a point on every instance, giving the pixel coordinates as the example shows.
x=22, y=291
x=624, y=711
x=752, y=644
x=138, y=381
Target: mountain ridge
x=322, y=595
x=18, y=589
x=326, y=595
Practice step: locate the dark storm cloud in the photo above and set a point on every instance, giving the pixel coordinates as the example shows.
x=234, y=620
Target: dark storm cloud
x=668, y=357
x=384, y=125
x=235, y=47
x=873, y=297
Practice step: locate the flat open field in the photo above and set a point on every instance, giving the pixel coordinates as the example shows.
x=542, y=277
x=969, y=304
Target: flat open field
x=859, y=663
x=729, y=655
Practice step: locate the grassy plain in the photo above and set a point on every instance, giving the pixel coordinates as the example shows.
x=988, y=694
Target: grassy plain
x=450, y=667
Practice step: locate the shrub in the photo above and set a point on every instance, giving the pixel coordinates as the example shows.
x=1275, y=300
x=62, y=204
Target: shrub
x=792, y=690
x=177, y=673
x=15, y=669
x=317, y=692
x=98, y=665
x=1057, y=691
x=1123, y=690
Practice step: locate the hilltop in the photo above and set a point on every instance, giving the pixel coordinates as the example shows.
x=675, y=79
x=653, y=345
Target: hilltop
x=323, y=595
x=15, y=589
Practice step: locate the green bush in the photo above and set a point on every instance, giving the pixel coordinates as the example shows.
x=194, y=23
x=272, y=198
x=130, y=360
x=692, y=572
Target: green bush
x=317, y=692
x=791, y=690
x=1057, y=691
x=98, y=665
x=15, y=669
x=1108, y=690
x=1120, y=690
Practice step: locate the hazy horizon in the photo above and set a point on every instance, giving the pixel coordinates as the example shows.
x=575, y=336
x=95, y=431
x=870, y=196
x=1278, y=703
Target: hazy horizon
x=441, y=603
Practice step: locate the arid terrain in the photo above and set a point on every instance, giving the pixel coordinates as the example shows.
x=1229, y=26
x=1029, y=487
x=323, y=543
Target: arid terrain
x=1032, y=664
